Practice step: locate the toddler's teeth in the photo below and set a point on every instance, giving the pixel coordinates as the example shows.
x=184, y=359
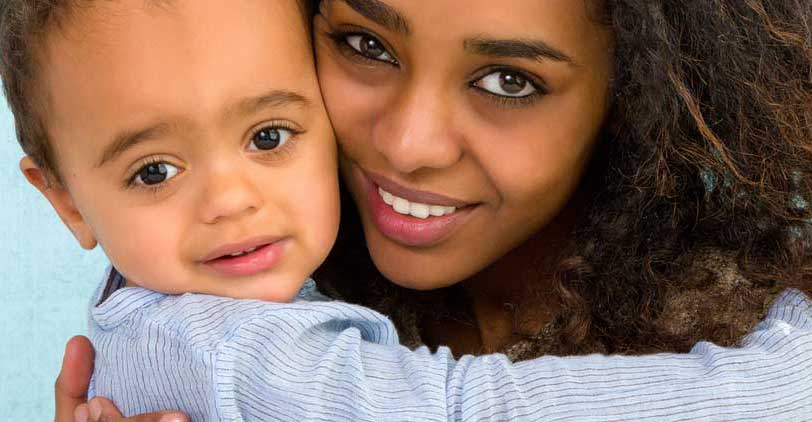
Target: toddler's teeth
x=244, y=252
x=419, y=210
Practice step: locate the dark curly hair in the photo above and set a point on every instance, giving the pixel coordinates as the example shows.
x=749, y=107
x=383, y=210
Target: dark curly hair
x=711, y=150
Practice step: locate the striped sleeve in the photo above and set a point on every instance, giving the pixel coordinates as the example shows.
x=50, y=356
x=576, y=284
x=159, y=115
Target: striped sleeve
x=337, y=362
x=224, y=360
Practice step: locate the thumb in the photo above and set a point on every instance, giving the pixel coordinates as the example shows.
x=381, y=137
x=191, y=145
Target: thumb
x=70, y=389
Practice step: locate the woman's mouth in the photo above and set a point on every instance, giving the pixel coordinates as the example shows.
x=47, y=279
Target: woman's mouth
x=415, y=209
x=410, y=217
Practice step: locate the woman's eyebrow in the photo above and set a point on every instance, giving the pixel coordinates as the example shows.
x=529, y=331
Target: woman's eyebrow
x=380, y=13
x=522, y=48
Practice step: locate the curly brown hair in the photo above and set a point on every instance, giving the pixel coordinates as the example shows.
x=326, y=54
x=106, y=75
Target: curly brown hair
x=711, y=150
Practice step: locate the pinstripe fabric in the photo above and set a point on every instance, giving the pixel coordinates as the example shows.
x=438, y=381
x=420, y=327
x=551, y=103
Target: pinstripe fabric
x=316, y=360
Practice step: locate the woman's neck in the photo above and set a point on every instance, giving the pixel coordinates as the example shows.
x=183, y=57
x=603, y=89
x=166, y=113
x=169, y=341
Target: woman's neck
x=512, y=298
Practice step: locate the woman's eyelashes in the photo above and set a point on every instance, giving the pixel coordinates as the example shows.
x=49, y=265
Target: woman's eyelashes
x=506, y=86
x=509, y=87
x=362, y=46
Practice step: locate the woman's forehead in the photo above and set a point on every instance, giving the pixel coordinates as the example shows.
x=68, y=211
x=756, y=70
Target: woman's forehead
x=569, y=26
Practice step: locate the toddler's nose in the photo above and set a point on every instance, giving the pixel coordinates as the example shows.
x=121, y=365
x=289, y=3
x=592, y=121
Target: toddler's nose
x=228, y=193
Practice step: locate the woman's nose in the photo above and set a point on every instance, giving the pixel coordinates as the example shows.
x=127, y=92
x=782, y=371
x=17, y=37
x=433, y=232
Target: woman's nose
x=416, y=131
x=228, y=193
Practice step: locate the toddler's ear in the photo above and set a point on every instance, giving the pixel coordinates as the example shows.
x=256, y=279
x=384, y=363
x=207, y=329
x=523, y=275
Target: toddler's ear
x=61, y=201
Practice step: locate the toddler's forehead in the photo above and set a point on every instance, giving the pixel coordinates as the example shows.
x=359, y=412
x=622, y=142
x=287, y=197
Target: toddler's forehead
x=183, y=58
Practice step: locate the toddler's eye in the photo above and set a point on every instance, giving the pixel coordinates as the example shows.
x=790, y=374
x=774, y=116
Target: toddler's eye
x=369, y=47
x=269, y=138
x=507, y=83
x=155, y=173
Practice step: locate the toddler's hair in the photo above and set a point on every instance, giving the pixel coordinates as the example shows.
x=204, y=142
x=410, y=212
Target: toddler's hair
x=24, y=27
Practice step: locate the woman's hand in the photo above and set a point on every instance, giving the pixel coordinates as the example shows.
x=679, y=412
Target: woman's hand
x=102, y=410
x=70, y=391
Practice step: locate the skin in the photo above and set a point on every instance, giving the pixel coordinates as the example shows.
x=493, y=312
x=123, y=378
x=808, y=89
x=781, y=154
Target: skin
x=427, y=124
x=195, y=103
x=428, y=114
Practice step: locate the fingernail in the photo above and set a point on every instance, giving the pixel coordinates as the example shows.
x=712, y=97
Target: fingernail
x=172, y=418
x=80, y=414
x=95, y=409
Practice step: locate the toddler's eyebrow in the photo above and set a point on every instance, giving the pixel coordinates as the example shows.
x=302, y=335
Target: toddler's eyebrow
x=130, y=138
x=275, y=98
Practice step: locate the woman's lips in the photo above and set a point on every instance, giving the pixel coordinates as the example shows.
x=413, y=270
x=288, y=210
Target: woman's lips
x=406, y=229
x=263, y=258
x=414, y=195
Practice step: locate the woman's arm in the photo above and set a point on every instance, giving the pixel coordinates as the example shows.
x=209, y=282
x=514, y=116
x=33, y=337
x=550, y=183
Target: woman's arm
x=70, y=389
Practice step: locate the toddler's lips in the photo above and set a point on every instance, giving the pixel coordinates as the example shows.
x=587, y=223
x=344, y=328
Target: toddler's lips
x=246, y=261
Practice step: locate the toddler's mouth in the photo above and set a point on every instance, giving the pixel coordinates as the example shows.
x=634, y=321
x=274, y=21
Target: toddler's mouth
x=242, y=253
x=246, y=258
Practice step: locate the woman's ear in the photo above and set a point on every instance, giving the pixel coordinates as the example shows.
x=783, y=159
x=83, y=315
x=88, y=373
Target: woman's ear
x=61, y=201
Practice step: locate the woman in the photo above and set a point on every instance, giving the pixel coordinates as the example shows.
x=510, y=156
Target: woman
x=564, y=177
x=678, y=109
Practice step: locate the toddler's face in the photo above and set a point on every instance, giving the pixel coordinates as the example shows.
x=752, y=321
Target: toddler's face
x=190, y=132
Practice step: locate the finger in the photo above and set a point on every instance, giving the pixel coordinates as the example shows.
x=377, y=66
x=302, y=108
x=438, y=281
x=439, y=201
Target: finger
x=160, y=417
x=70, y=389
x=103, y=410
x=81, y=414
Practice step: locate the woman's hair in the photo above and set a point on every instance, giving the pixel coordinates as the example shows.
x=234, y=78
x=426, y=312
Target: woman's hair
x=709, y=148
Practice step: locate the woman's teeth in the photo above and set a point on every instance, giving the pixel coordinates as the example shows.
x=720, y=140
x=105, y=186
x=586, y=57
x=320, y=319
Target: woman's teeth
x=415, y=209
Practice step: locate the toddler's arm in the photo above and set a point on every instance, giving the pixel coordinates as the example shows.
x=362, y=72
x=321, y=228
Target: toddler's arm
x=319, y=362
x=306, y=370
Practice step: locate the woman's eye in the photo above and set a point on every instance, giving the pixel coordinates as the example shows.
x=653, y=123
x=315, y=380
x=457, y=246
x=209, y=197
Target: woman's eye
x=369, y=47
x=506, y=83
x=269, y=138
x=155, y=173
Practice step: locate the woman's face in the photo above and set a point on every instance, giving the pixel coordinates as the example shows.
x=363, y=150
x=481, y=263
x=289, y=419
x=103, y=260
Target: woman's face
x=465, y=127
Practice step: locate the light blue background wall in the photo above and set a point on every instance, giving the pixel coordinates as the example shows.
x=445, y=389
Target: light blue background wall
x=46, y=281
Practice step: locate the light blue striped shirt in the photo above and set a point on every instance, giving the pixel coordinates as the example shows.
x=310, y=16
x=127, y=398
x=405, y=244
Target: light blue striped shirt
x=221, y=359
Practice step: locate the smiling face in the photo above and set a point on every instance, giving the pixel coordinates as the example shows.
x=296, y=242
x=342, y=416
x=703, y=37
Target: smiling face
x=463, y=131
x=190, y=132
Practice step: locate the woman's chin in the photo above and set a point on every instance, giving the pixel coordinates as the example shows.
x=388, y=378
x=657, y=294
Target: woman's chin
x=417, y=272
